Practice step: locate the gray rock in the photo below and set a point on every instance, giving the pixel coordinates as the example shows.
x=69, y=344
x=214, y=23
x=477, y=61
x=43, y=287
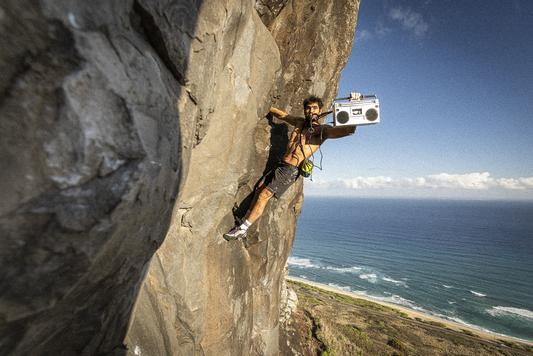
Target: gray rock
x=288, y=301
x=132, y=135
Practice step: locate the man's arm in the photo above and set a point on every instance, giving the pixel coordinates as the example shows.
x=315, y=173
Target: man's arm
x=339, y=131
x=282, y=115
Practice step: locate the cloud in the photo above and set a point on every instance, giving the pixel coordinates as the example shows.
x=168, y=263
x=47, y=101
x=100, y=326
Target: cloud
x=368, y=182
x=510, y=183
x=465, y=181
x=382, y=30
x=364, y=35
x=468, y=181
x=527, y=182
x=410, y=20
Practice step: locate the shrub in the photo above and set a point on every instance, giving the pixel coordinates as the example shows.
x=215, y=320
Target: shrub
x=396, y=344
x=468, y=332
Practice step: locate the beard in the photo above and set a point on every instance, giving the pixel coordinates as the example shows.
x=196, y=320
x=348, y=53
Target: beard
x=312, y=119
x=311, y=116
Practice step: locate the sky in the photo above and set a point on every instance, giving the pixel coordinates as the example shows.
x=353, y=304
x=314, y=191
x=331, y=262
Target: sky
x=455, y=84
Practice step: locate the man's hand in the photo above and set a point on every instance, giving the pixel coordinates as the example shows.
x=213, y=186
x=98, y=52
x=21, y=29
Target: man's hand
x=355, y=96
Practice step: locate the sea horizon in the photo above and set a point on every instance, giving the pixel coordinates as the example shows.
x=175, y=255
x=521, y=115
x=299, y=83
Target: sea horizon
x=461, y=260
x=400, y=197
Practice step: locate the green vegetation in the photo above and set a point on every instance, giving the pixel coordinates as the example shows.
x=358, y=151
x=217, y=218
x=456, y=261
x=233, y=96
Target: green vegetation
x=312, y=300
x=396, y=344
x=516, y=345
x=435, y=323
x=336, y=324
x=402, y=314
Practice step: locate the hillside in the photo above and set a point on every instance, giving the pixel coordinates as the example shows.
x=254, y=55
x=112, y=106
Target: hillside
x=329, y=323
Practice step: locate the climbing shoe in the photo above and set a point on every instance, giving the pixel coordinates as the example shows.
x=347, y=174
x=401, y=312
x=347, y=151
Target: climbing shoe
x=236, y=233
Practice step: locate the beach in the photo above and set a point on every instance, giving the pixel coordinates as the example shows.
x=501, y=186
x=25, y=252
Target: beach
x=416, y=314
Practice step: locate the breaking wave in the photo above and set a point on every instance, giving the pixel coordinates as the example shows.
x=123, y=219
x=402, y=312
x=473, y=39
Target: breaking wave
x=371, y=277
x=364, y=273
x=353, y=269
x=301, y=262
x=398, y=283
x=307, y=263
x=510, y=311
x=478, y=294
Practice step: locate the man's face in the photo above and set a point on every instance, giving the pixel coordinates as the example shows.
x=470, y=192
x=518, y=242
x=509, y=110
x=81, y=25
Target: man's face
x=312, y=110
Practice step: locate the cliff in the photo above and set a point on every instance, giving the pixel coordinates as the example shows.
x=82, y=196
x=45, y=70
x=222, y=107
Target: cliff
x=132, y=134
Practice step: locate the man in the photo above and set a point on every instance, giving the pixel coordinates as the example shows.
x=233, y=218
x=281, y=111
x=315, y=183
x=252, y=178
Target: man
x=307, y=136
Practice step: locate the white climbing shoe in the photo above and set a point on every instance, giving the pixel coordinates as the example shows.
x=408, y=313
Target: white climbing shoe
x=236, y=233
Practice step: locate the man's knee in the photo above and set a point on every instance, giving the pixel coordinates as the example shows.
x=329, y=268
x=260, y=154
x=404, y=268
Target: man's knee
x=265, y=194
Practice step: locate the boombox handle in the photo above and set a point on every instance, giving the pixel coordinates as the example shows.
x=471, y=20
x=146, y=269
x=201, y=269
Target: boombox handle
x=353, y=97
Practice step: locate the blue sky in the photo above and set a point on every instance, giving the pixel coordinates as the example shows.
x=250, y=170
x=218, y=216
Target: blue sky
x=455, y=83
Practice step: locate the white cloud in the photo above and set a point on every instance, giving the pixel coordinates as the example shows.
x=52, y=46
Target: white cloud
x=468, y=181
x=527, y=182
x=368, y=182
x=510, y=183
x=410, y=20
x=465, y=181
x=364, y=35
x=382, y=30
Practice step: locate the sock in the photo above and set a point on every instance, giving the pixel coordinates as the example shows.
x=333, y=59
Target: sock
x=245, y=225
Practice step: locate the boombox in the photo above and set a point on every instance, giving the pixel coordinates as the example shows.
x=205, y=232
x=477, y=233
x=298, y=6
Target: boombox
x=362, y=111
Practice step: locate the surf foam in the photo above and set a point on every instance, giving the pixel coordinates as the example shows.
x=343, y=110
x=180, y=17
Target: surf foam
x=371, y=277
x=478, y=294
x=353, y=269
x=399, y=283
x=510, y=311
x=301, y=262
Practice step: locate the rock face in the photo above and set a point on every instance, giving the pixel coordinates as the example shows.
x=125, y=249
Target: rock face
x=132, y=135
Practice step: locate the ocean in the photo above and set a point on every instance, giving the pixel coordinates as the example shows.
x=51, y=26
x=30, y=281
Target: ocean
x=465, y=261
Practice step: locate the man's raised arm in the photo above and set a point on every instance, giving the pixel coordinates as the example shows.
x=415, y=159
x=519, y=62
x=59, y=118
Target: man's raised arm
x=282, y=115
x=339, y=131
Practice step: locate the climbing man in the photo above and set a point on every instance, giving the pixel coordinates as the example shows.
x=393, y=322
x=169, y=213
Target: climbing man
x=308, y=134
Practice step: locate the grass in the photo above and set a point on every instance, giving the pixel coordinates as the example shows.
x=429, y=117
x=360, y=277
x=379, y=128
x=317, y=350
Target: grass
x=337, y=324
x=359, y=337
x=396, y=344
x=435, y=323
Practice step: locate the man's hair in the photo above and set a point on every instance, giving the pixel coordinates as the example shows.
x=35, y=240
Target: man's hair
x=313, y=99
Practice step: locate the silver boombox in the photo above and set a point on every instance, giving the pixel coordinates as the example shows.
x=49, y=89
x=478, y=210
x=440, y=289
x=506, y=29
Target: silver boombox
x=358, y=110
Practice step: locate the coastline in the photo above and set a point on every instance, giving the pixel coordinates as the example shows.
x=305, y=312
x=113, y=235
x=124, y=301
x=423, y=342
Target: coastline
x=492, y=336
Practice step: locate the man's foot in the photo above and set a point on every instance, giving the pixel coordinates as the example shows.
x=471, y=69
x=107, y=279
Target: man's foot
x=236, y=233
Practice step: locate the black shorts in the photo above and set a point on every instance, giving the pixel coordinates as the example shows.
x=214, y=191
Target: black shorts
x=281, y=178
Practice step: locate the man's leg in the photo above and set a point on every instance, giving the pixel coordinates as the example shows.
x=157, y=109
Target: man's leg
x=260, y=200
